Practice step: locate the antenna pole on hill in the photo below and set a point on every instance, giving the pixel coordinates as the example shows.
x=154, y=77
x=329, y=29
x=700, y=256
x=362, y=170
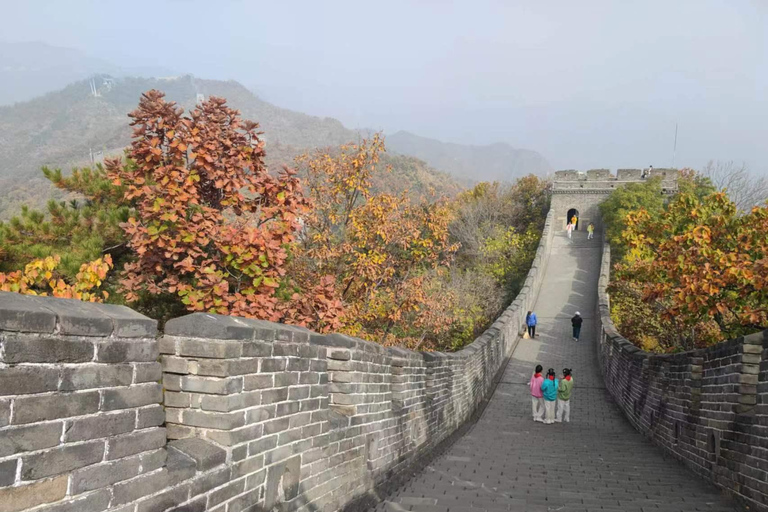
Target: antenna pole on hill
x=674, y=148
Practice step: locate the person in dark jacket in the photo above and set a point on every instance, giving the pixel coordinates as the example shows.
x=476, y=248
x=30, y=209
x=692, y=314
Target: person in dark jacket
x=576, y=324
x=530, y=321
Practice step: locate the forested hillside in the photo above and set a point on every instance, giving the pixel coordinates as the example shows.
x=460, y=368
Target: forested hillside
x=348, y=240
x=494, y=162
x=64, y=128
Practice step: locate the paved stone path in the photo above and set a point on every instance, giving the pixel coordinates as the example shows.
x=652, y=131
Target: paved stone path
x=596, y=462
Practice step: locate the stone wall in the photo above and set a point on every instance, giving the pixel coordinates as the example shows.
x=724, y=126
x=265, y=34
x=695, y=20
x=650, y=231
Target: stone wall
x=707, y=407
x=250, y=415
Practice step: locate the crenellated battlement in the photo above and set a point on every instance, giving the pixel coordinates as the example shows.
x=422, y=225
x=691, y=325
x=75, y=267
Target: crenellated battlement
x=603, y=181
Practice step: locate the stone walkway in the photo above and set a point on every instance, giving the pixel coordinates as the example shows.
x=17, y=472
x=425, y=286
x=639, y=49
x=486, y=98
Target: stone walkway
x=596, y=462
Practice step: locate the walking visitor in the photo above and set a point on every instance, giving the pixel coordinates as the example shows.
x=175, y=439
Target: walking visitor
x=549, y=390
x=576, y=322
x=590, y=231
x=564, y=390
x=569, y=229
x=574, y=220
x=537, y=399
x=530, y=321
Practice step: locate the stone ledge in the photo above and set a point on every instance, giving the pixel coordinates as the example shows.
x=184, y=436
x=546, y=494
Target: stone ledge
x=35, y=314
x=206, y=455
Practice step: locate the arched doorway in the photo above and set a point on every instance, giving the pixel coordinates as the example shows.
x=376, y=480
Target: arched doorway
x=573, y=212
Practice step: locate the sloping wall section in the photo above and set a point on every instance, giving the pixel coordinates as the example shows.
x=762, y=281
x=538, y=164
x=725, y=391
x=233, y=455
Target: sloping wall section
x=222, y=414
x=707, y=407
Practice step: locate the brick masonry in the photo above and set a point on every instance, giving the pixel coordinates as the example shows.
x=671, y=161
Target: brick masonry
x=707, y=407
x=222, y=414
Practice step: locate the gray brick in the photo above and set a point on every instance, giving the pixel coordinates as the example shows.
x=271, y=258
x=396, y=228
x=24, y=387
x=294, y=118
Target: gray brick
x=21, y=380
x=16, y=499
x=136, y=488
x=148, y=372
x=212, y=385
x=50, y=407
x=247, y=466
x=226, y=367
x=102, y=475
x=210, y=480
x=175, y=364
x=164, y=500
x=115, y=351
x=135, y=442
x=235, y=437
x=26, y=349
x=227, y=492
x=205, y=454
x=273, y=365
x=258, y=382
x=79, y=318
x=93, y=502
x=134, y=396
x=270, y=396
x=8, y=472
x=25, y=313
x=278, y=425
x=217, y=420
x=150, y=461
x=29, y=438
x=197, y=505
x=152, y=416
x=60, y=460
x=262, y=445
x=176, y=399
x=127, y=323
x=95, y=376
x=257, y=349
x=210, y=349
x=5, y=412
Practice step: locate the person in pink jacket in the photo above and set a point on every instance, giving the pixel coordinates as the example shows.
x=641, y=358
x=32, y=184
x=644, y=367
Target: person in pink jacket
x=537, y=398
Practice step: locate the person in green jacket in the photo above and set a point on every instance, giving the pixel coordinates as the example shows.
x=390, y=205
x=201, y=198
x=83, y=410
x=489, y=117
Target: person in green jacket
x=564, y=390
x=549, y=390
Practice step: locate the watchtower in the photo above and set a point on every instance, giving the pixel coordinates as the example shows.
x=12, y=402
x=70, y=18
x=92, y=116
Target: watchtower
x=576, y=193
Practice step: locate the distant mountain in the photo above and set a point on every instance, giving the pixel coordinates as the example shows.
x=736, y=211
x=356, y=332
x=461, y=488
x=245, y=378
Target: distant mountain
x=28, y=70
x=64, y=128
x=495, y=162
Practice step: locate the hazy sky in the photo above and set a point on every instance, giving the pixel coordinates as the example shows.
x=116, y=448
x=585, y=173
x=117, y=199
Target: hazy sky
x=586, y=83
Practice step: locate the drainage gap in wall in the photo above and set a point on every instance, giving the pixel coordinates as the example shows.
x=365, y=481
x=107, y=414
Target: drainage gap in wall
x=713, y=444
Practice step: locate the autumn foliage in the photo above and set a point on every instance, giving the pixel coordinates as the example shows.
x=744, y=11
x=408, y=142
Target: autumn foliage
x=380, y=250
x=194, y=221
x=697, y=273
x=212, y=225
x=40, y=277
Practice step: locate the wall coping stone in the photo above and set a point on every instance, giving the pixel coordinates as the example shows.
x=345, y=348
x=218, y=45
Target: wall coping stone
x=36, y=314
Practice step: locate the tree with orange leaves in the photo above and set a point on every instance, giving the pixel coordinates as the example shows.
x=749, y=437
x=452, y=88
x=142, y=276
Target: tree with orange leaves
x=702, y=265
x=212, y=226
x=381, y=250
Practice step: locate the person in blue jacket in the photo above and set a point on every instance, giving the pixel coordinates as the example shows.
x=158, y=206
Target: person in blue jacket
x=530, y=321
x=549, y=390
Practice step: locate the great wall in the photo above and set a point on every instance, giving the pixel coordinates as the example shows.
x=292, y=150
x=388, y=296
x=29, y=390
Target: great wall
x=100, y=413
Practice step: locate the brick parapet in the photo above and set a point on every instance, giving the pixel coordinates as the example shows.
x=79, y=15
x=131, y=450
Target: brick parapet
x=705, y=407
x=222, y=413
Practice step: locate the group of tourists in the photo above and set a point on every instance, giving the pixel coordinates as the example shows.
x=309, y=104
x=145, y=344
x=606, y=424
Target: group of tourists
x=571, y=227
x=551, y=397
